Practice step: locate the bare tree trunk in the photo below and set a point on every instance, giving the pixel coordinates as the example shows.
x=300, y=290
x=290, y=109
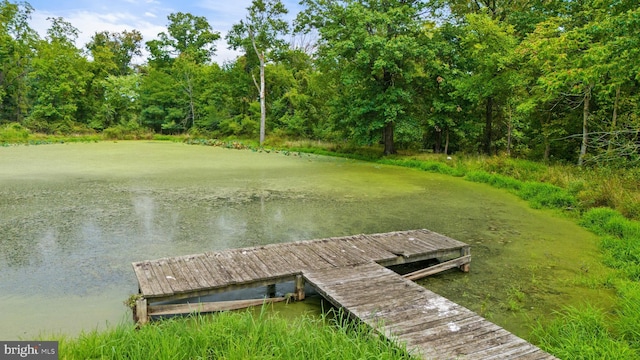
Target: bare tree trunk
x=488, y=126
x=509, y=130
x=261, y=89
x=614, y=118
x=389, y=147
x=446, y=144
x=547, y=149
x=189, y=90
x=585, y=118
x=263, y=106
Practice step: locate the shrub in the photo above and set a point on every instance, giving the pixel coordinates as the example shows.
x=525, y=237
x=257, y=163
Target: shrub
x=14, y=133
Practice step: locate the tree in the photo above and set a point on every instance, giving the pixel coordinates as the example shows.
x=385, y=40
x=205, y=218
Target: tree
x=121, y=100
x=374, y=48
x=169, y=91
x=57, y=78
x=117, y=48
x=490, y=76
x=189, y=35
x=111, y=56
x=17, y=43
x=260, y=30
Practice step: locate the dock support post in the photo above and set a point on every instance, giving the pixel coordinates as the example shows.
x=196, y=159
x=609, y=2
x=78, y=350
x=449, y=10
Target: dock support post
x=271, y=291
x=299, y=289
x=142, y=316
x=465, y=251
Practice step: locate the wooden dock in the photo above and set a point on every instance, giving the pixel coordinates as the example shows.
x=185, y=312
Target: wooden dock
x=351, y=273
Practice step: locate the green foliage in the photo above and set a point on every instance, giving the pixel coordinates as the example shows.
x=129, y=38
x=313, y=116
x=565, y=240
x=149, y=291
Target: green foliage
x=58, y=77
x=240, y=335
x=370, y=48
x=189, y=36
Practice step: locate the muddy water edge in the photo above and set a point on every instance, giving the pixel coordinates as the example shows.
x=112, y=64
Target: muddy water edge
x=74, y=216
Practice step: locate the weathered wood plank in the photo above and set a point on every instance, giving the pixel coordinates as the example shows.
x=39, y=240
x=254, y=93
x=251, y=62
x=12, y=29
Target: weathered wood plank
x=213, y=277
x=182, y=284
x=165, y=285
x=354, y=255
x=203, y=307
x=440, y=239
x=272, y=261
x=318, y=248
x=176, y=285
x=240, y=259
x=152, y=279
x=189, y=276
x=216, y=267
x=143, y=283
x=237, y=275
x=398, y=244
x=201, y=274
x=372, y=249
x=259, y=266
x=281, y=259
x=420, y=274
x=303, y=250
x=290, y=261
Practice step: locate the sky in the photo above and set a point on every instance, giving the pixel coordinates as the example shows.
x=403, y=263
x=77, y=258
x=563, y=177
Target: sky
x=147, y=16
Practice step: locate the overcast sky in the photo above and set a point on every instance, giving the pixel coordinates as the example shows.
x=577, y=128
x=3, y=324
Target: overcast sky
x=147, y=16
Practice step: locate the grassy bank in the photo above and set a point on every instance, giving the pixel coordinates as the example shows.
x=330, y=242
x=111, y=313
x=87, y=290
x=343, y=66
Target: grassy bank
x=235, y=335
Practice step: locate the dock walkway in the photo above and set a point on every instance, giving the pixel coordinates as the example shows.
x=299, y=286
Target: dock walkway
x=429, y=325
x=351, y=273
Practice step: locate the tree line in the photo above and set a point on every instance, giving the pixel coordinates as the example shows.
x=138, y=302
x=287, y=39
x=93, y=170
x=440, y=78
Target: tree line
x=540, y=79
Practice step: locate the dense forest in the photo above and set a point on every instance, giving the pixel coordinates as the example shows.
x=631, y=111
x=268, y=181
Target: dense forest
x=540, y=79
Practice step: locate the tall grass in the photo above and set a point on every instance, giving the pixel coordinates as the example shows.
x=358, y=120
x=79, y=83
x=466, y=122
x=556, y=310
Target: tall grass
x=582, y=333
x=235, y=335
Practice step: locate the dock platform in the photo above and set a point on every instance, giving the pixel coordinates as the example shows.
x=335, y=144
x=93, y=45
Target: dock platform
x=350, y=272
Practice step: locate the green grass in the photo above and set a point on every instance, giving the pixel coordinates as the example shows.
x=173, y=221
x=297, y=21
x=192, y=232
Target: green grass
x=235, y=335
x=582, y=333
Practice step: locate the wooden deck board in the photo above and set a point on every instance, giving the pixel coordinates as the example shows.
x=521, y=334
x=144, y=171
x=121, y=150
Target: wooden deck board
x=272, y=261
x=215, y=279
x=237, y=274
x=370, y=248
x=182, y=283
x=200, y=275
x=291, y=263
x=314, y=261
x=217, y=269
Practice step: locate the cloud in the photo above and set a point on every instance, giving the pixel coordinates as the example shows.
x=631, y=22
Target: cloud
x=148, y=17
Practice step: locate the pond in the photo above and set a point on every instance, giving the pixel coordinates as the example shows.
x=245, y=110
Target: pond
x=73, y=217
